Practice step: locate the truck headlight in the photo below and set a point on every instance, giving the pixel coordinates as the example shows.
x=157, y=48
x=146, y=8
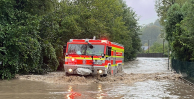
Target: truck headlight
x=100, y=71
x=73, y=59
x=70, y=70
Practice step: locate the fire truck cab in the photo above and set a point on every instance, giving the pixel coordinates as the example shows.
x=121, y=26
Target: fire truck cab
x=90, y=56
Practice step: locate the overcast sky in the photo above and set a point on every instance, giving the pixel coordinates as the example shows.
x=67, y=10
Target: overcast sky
x=145, y=9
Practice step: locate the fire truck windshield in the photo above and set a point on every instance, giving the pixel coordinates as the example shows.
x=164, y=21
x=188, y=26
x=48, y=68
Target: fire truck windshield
x=84, y=49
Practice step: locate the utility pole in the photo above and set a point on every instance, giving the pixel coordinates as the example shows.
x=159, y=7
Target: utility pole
x=163, y=45
x=168, y=56
x=148, y=46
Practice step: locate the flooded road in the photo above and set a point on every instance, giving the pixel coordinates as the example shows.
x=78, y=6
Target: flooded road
x=148, y=78
x=147, y=65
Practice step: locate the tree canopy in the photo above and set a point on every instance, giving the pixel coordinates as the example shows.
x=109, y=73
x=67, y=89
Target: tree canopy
x=150, y=33
x=179, y=28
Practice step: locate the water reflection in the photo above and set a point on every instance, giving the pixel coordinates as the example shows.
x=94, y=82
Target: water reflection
x=72, y=94
x=99, y=95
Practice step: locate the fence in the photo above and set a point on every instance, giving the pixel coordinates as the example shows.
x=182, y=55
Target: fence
x=151, y=55
x=183, y=67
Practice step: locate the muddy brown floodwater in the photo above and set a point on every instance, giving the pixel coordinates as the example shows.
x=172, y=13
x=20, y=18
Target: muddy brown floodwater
x=144, y=78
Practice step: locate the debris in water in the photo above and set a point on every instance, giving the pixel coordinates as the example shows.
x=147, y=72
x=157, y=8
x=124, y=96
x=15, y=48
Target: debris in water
x=61, y=78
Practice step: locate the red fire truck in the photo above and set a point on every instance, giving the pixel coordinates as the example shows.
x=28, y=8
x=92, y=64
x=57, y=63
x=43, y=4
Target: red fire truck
x=91, y=56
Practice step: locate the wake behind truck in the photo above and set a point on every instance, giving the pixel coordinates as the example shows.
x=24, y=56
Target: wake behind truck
x=91, y=56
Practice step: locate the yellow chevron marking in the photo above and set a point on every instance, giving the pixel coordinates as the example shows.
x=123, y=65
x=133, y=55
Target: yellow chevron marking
x=117, y=49
x=115, y=56
x=114, y=65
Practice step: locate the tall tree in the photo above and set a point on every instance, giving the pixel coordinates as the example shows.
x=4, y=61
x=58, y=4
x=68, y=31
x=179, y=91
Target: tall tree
x=150, y=33
x=162, y=7
x=19, y=37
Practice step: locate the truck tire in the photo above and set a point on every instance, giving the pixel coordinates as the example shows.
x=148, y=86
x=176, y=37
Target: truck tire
x=109, y=70
x=104, y=75
x=67, y=74
x=119, y=69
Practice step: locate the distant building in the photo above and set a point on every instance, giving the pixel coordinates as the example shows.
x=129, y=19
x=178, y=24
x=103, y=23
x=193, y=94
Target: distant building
x=144, y=48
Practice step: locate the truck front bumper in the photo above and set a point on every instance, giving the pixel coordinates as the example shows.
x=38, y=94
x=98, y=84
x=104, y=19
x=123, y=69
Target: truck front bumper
x=95, y=69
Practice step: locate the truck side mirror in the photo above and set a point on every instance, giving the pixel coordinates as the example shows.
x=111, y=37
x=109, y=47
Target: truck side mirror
x=90, y=46
x=102, y=55
x=109, y=51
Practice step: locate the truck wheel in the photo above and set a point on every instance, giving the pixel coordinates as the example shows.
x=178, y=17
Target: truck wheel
x=109, y=70
x=104, y=75
x=66, y=73
x=119, y=69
